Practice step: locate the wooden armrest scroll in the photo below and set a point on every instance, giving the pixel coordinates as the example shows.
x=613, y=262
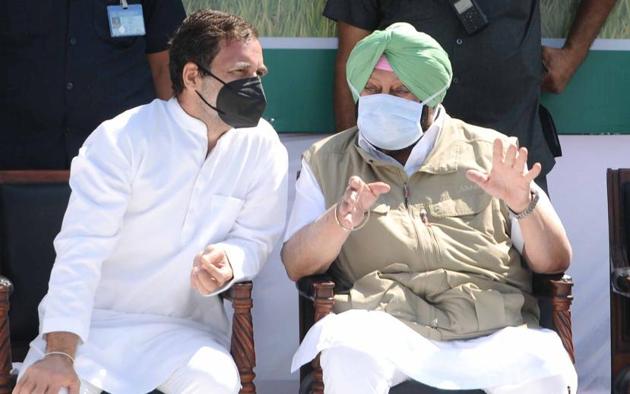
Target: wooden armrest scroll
x=242, y=346
x=558, y=288
x=620, y=281
x=306, y=285
x=324, y=300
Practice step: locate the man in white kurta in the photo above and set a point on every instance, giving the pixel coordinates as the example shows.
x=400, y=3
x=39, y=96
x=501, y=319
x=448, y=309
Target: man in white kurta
x=151, y=189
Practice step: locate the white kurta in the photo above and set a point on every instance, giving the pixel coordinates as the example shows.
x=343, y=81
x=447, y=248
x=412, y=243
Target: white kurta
x=145, y=199
x=511, y=355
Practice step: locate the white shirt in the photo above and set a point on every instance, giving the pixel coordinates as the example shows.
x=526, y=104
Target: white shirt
x=145, y=200
x=310, y=203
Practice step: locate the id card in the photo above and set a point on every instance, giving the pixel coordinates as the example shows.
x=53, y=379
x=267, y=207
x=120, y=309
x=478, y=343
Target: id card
x=125, y=22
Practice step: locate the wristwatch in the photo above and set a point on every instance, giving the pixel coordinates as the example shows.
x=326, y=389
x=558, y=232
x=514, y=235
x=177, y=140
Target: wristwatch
x=530, y=208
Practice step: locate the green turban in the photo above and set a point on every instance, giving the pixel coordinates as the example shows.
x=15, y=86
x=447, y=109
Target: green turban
x=416, y=58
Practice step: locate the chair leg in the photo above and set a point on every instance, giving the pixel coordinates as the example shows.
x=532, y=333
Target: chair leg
x=6, y=380
x=324, y=301
x=561, y=312
x=242, y=346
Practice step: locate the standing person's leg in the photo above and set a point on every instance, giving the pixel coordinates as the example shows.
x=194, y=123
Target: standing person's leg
x=210, y=370
x=350, y=371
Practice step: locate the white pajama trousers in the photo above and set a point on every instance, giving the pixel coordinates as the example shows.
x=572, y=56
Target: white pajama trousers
x=348, y=371
x=210, y=370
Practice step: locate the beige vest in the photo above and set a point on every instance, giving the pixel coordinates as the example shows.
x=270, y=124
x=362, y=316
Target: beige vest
x=436, y=252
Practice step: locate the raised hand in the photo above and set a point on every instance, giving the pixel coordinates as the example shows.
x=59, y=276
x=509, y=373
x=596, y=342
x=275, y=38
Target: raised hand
x=211, y=270
x=357, y=199
x=509, y=179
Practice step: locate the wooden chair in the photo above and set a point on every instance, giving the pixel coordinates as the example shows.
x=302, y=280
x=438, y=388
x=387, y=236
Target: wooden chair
x=554, y=293
x=619, y=242
x=32, y=205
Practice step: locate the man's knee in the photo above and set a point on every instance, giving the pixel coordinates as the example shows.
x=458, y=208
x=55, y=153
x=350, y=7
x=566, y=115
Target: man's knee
x=200, y=382
x=209, y=371
x=346, y=371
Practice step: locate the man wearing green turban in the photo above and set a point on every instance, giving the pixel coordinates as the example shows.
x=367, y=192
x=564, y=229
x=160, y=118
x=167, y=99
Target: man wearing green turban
x=434, y=226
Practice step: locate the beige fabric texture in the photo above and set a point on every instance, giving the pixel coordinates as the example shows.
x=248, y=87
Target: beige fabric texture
x=457, y=277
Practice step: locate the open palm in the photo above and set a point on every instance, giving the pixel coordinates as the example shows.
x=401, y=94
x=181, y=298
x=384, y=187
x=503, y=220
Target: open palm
x=509, y=179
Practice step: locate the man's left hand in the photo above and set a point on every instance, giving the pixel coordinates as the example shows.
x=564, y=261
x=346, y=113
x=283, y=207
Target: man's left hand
x=509, y=178
x=560, y=64
x=211, y=270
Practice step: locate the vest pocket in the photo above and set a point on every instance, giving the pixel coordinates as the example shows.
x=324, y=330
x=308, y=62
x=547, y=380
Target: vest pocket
x=469, y=204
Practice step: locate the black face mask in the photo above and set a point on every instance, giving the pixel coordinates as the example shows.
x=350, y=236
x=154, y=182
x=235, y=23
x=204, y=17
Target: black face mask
x=240, y=103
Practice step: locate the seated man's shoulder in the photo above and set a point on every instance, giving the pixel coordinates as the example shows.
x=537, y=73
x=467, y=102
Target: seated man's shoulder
x=335, y=144
x=473, y=133
x=132, y=122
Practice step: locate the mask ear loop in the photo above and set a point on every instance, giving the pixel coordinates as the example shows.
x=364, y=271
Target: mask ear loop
x=425, y=102
x=205, y=70
x=209, y=105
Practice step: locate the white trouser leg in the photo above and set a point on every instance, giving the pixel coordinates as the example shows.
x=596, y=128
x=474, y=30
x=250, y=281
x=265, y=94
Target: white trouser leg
x=86, y=388
x=347, y=371
x=210, y=370
x=548, y=385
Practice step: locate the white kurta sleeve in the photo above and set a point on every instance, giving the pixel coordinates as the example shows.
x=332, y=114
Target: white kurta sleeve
x=261, y=221
x=517, y=234
x=100, y=183
x=309, y=203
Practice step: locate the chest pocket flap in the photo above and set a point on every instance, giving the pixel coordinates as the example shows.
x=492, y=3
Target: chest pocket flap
x=469, y=203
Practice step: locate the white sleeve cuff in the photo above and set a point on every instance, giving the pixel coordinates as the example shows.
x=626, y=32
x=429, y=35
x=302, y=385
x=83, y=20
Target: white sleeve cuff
x=62, y=324
x=236, y=257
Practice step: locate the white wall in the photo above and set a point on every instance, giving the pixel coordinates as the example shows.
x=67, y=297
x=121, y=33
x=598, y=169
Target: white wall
x=578, y=190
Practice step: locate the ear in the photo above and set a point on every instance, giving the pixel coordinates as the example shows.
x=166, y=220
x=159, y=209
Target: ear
x=427, y=116
x=191, y=76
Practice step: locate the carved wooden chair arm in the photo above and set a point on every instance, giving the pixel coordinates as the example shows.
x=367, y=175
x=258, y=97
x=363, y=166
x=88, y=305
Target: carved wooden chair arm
x=620, y=281
x=242, y=345
x=320, y=289
x=558, y=288
x=306, y=285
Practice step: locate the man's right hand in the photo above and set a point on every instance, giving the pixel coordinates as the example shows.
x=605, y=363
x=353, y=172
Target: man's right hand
x=357, y=199
x=49, y=375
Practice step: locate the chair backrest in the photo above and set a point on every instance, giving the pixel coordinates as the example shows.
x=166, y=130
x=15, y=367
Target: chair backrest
x=619, y=217
x=619, y=242
x=32, y=205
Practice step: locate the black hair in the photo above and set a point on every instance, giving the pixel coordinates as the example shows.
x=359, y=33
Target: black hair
x=198, y=40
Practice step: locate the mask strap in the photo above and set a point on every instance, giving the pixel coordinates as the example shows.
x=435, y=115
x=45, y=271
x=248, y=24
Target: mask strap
x=208, y=104
x=352, y=89
x=205, y=70
x=425, y=101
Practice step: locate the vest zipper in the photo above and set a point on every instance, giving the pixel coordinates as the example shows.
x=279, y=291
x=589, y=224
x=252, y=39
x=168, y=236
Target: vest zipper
x=406, y=194
x=424, y=218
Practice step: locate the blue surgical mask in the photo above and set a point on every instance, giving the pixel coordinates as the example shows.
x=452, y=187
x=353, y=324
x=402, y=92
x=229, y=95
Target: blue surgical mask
x=389, y=122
